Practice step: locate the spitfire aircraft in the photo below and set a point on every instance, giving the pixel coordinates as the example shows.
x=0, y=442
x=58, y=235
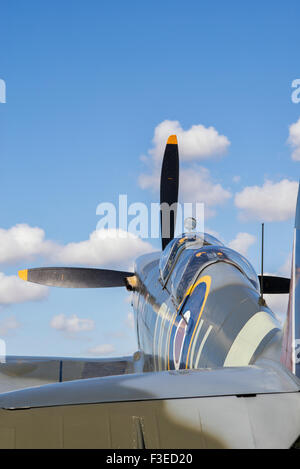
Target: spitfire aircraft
x=214, y=368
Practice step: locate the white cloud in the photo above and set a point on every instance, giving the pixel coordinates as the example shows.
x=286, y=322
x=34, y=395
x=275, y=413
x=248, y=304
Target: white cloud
x=104, y=247
x=23, y=242
x=242, y=242
x=196, y=185
x=270, y=202
x=150, y=180
x=72, y=324
x=113, y=248
x=196, y=143
x=15, y=290
x=294, y=140
x=104, y=349
x=8, y=324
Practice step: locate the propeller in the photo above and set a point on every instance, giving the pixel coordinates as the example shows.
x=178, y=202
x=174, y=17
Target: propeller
x=75, y=277
x=169, y=191
x=275, y=284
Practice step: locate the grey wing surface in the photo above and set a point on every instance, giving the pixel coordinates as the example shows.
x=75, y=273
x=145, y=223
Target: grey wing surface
x=240, y=407
x=23, y=372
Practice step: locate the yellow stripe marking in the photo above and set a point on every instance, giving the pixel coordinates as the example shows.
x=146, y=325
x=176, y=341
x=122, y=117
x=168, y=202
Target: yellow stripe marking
x=23, y=274
x=206, y=279
x=199, y=254
x=172, y=140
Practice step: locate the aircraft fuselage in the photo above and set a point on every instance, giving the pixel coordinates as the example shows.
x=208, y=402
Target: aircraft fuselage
x=220, y=321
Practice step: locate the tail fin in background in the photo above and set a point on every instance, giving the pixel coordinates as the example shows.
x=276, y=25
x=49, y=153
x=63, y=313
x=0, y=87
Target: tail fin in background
x=290, y=356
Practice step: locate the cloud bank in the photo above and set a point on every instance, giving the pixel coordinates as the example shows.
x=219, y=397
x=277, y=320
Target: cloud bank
x=72, y=324
x=242, y=242
x=22, y=243
x=104, y=247
x=196, y=143
x=15, y=290
x=270, y=202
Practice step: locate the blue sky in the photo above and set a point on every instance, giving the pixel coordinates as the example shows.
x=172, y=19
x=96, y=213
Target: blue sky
x=87, y=85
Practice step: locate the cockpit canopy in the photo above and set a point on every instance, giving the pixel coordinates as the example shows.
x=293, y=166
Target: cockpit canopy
x=191, y=253
x=176, y=247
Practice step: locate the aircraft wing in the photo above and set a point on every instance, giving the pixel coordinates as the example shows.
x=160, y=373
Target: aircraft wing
x=23, y=372
x=241, y=407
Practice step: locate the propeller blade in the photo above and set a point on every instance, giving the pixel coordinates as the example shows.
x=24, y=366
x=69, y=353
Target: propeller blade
x=75, y=277
x=275, y=284
x=169, y=191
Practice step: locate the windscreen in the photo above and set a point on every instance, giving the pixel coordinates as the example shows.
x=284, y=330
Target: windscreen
x=192, y=262
x=177, y=246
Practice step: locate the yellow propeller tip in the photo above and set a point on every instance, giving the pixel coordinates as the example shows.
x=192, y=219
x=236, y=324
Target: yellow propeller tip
x=172, y=139
x=23, y=274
